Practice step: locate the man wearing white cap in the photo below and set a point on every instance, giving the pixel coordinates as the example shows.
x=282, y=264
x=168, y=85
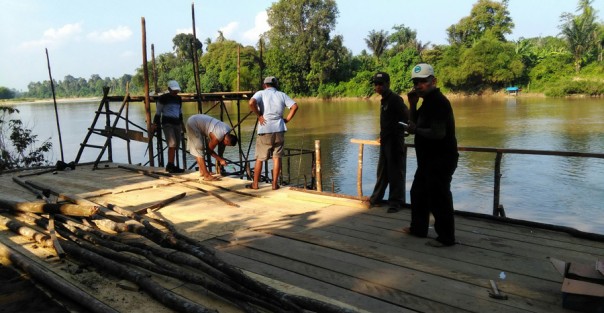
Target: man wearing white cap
x=268, y=105
x=436, y=149
x=169, y=113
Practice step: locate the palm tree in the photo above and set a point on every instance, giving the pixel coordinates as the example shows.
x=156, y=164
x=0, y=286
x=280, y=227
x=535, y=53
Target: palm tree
x=207, y=42
x=220, y=37
x=377, y=42
x=580, y=32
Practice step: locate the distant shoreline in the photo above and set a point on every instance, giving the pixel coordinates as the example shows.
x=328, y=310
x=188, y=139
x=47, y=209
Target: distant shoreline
x=373, y=97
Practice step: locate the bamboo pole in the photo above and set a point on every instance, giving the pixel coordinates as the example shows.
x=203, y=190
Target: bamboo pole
x=147, y=100
x=497, y=183
x=318, y=166
x=360, y=171
x=54, y=99
x=196, y=62
x=238, y=67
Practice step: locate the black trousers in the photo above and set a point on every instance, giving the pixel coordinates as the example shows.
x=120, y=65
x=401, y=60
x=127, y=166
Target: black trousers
x=431, y=193
x=390, y=172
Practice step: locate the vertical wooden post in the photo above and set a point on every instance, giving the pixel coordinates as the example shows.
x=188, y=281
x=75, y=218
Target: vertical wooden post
x=155, y=85
x=360, y=172
x=54, y=99
x=147, y=101
x=238, y=67
x=497, y=183
x=108, y=126
x=160, y=144
x=196, y=62
x=318, y=166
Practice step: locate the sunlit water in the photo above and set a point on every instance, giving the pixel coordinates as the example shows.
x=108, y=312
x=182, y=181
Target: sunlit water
x=566, y=191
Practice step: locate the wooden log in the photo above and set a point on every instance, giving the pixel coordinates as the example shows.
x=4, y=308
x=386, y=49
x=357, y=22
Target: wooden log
x=147, y=284
x=161, y=204
x=27, y=232
x=52, y=208
x=55, y=283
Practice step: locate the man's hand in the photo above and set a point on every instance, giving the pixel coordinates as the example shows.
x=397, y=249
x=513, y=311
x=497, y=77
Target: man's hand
x=261, y=120
x=410, y=128
x=413, y=98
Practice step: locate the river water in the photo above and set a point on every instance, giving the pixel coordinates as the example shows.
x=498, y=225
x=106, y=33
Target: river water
x=567, y=191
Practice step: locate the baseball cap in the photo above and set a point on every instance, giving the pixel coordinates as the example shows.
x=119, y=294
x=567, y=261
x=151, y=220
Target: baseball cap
x=173, y=85
x=422, y=70
x=270, y=80
x=380, y=77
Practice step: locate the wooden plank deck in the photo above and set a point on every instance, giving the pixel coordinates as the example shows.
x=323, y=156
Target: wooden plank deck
x=330, y=248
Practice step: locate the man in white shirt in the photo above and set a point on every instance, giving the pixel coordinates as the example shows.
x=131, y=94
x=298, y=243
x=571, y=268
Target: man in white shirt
x=268, y=105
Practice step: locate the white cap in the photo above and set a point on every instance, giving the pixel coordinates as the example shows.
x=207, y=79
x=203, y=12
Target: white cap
x=422, y=70
x=271, y=80
x=173, y=85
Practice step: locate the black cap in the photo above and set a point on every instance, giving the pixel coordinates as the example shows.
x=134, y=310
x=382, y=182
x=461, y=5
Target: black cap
x=380, y=77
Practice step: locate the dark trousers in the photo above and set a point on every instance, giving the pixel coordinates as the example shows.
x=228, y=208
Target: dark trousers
x=390, y=169
x=431, y=193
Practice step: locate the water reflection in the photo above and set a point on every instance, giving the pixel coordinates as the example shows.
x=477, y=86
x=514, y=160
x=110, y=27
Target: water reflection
x=560, y=190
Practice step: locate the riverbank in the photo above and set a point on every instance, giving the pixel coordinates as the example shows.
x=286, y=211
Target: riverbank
x=374, y=97
x=11, y=102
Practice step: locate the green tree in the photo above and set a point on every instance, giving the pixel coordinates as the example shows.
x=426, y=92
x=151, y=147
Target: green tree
x=377, y=42
x=6, y=93
x=300, y=45
x=220, y=64
x=19, y=149
x=486, y=15
x=488, y=64
x=183, y=46
x=581, y=32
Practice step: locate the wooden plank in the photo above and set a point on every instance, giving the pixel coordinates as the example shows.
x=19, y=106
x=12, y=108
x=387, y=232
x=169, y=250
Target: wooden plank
x=340, y=295
x=364, y=294
x=383, y=278
x=512, y=239
x=502, y=261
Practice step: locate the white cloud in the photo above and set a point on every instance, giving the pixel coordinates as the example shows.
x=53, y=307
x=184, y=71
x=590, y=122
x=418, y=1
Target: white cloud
x=260, y=26
x=121, y=33
x=54, y=37
x=229, y=29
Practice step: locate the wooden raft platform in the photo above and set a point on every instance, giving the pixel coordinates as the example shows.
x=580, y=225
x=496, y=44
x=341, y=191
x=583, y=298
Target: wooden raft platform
x=330, y=248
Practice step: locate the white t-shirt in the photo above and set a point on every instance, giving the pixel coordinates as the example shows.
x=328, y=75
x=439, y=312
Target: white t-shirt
x=271, y=104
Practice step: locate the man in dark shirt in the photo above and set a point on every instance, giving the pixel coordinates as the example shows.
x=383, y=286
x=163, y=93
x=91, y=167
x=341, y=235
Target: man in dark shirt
x=436, y=148
x=392, y=142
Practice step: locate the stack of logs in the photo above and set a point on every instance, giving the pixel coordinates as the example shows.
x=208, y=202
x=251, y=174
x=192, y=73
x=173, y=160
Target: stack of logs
x=90, y=233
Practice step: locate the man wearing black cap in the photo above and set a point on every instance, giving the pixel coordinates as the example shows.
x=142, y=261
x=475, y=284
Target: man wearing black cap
x=268, y=105
x=392, y=142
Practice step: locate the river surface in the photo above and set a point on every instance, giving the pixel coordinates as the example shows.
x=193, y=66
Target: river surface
x=567, y=191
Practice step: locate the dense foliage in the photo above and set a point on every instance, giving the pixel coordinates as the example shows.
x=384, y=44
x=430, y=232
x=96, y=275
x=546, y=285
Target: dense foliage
x=18, y=146
x=309, y=60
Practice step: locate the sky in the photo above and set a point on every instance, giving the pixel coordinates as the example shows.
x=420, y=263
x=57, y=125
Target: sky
x=105, y=37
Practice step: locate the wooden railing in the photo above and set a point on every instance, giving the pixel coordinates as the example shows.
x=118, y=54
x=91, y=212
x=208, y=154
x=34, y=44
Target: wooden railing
x=497, y=207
